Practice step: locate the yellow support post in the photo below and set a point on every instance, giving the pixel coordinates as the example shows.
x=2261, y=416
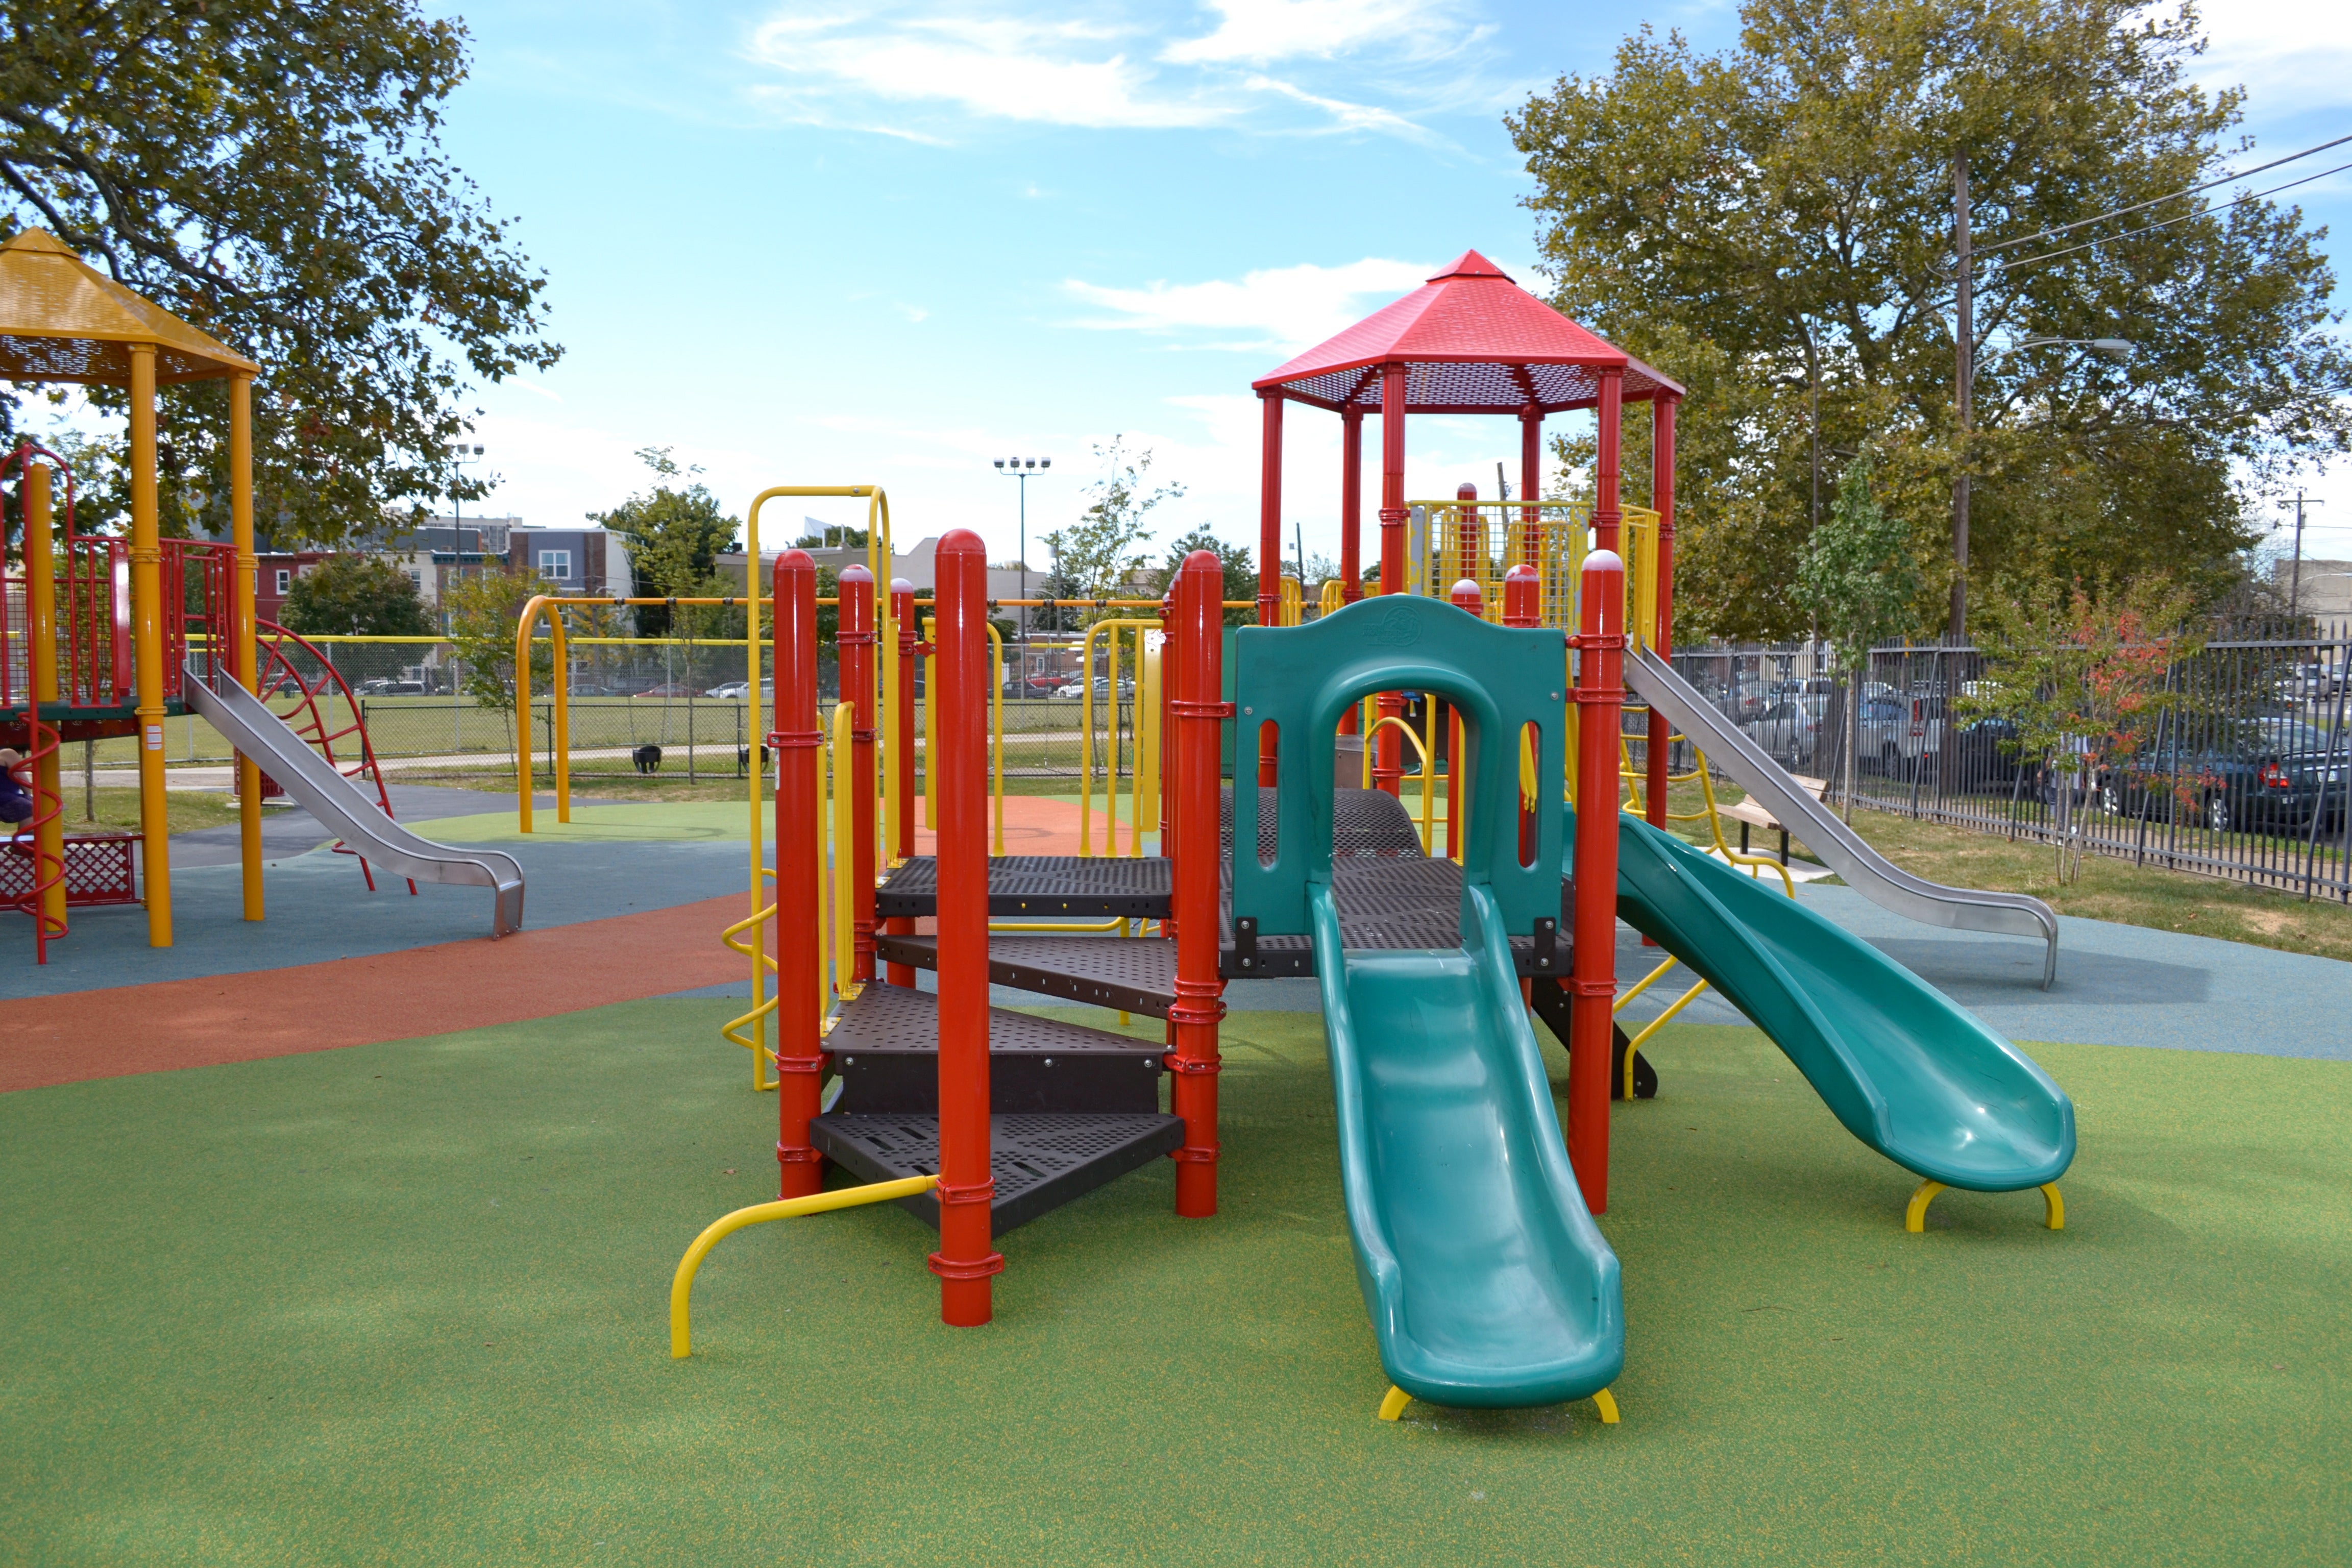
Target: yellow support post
x=41, y=664
x=245, y=662
x=930, y=729
x=147, y=643
x=996, y=710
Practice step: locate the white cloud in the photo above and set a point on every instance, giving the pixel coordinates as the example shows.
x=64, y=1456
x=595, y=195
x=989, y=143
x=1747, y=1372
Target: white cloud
x=1057, y=74
x=1284, y=309
x=2291, y=54
x=1259, y=31
x=916, y=68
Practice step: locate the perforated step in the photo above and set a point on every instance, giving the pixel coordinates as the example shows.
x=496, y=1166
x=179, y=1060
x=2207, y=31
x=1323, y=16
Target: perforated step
x=1402, y=903
x=1365, y=824
x=1039, y=887
x=886, y=1047
x=1133, y=975
x=1039, y=1162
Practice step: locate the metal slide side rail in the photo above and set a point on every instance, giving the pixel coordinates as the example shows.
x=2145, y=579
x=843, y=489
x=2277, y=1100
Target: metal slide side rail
x=1841, y=848
x=342, y=808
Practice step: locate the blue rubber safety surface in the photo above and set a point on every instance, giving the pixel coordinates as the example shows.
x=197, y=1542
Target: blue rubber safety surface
x=2117, y=984
x=318, y=909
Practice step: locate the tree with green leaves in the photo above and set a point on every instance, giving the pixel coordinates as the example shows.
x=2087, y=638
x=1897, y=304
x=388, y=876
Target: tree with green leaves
x=674, y=532
x=484, y=611
x=1860, y=586
x=1101, y=552
x=2082, y=683
x=1775, y=227
x=360, y=596
x=271, y=172
x=1240, y=574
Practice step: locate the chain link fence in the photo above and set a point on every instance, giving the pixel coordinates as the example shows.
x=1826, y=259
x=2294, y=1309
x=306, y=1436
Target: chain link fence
x=2242, y=770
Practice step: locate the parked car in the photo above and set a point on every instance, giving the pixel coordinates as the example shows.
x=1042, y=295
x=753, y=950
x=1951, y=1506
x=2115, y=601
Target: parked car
x=729, y=690
x=670, y=688
x=2264, y=773
x=384, y=686
x=1789, y=728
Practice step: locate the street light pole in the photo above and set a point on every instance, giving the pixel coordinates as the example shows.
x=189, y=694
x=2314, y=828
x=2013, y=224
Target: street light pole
x=2294, y=581
x=1024, y=469
x=1965, y=336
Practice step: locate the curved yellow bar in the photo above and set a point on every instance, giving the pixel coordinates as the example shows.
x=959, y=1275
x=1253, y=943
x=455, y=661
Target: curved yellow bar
x=1394, y=1405
x=681, y=1285
x=1607, y=1404
x=1915, y=1215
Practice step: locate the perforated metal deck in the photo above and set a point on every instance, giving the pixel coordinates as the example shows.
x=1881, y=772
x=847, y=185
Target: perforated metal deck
x=1039, y=1162
x=1400, y=902
x=1365, y=823
x=1133, y=975
x=886, y=1047
x=1039, y=887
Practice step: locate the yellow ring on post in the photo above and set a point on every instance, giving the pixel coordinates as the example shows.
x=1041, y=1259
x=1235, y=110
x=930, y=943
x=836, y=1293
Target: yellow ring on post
x=681, y=1285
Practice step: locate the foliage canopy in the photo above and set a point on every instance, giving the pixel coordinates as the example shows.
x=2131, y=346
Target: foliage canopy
x=1777, y=220
x=270, y=171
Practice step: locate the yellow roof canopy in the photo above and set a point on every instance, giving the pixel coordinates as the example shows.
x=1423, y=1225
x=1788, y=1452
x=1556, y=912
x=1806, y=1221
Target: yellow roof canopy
x=62, y=320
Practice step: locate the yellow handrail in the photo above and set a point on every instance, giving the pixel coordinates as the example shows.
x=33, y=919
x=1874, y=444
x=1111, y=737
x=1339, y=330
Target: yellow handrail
x=681, y=1284
x=1139, y=625
x=1428, y=771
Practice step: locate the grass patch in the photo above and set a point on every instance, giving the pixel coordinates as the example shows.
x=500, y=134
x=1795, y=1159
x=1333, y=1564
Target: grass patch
x=404, y=1303
x=185, y=809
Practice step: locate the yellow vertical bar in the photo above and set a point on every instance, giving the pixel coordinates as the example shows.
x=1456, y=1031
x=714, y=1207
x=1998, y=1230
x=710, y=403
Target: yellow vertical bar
x=757, y=734
x=522, y=714
x=845, y=847
x=559, y=681
x=245, y=665
x=1086, y=741
x=931, y=724
x=997, y=727
x=1110, y=775
x=41, y=662
x=147, y=643
x=1147, y=730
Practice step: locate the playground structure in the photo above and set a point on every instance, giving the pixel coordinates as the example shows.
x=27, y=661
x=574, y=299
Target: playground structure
x=1470, y=1204
x=105, y=635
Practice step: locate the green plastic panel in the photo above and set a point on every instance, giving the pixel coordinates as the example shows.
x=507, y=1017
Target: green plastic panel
x=1302, y=679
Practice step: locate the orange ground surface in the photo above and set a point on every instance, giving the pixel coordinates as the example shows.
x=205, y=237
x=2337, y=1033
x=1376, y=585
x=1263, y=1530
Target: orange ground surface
x=403, y=995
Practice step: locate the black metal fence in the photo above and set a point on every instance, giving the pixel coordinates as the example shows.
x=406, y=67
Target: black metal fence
x=2242, y=770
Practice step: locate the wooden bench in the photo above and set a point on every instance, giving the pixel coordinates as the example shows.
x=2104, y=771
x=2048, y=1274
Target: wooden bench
x=1750, y=813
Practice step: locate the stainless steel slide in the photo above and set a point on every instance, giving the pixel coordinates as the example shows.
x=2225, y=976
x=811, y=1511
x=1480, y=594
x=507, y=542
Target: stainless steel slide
x=1883, y=883
x=343, y=808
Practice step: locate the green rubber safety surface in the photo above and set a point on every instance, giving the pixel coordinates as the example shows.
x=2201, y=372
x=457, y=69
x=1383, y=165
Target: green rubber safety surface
x=404, y=1304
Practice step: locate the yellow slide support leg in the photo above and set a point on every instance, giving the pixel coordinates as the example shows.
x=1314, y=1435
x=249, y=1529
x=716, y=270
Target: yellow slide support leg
x=1394, y=1406
x=1915, y=1214
x=681, y=1285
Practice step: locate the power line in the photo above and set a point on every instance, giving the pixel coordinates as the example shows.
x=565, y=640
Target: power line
x=2167, y=223
x=2158, y=201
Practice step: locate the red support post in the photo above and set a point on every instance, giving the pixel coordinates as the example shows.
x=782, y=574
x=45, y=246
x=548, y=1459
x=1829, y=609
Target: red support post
x=1608, y=513
x=1523, y=606
x=1269, y=511
x=1464, y=597
x=1352, y=505
x=1388, y=754
x=902, y=757
x=1592, y=985
x=800, y=993
x=1662, y=635
x=856, y=640
x=1198, y=643
x=967, y=1258
x=1530, y=483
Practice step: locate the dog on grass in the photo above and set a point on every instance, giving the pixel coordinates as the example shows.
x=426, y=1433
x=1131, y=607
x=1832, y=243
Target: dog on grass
x=647, y=759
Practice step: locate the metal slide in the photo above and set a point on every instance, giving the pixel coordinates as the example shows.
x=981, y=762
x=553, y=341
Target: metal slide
x=341, y=806
x=1870, y=873
x=1488, y=1283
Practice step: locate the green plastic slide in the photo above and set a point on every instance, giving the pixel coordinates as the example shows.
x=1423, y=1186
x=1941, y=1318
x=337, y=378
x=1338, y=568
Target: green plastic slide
x=1906, y=1069
x=1488, y=1283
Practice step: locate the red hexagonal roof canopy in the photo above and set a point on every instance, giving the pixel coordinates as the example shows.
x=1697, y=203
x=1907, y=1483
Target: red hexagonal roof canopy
x=1473, y=342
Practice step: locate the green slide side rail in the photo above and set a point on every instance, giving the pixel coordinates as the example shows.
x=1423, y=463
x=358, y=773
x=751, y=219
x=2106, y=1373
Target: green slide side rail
x=1488, y=1282
x=1302, y=679
x=1906, y=1069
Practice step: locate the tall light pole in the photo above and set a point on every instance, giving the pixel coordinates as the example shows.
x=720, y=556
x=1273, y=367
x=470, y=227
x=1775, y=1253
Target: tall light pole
x=1024, y=470
x=2294, y=582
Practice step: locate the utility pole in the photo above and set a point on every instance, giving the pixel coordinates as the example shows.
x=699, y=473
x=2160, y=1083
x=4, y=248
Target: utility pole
x=2294, y=580
x=1965, y=333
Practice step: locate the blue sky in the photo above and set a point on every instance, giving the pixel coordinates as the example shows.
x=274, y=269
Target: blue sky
x=812, y=243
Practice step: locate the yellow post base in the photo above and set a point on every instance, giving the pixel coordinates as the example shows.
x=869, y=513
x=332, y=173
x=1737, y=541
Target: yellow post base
x=1915, y=1214
x=1394, y=1405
